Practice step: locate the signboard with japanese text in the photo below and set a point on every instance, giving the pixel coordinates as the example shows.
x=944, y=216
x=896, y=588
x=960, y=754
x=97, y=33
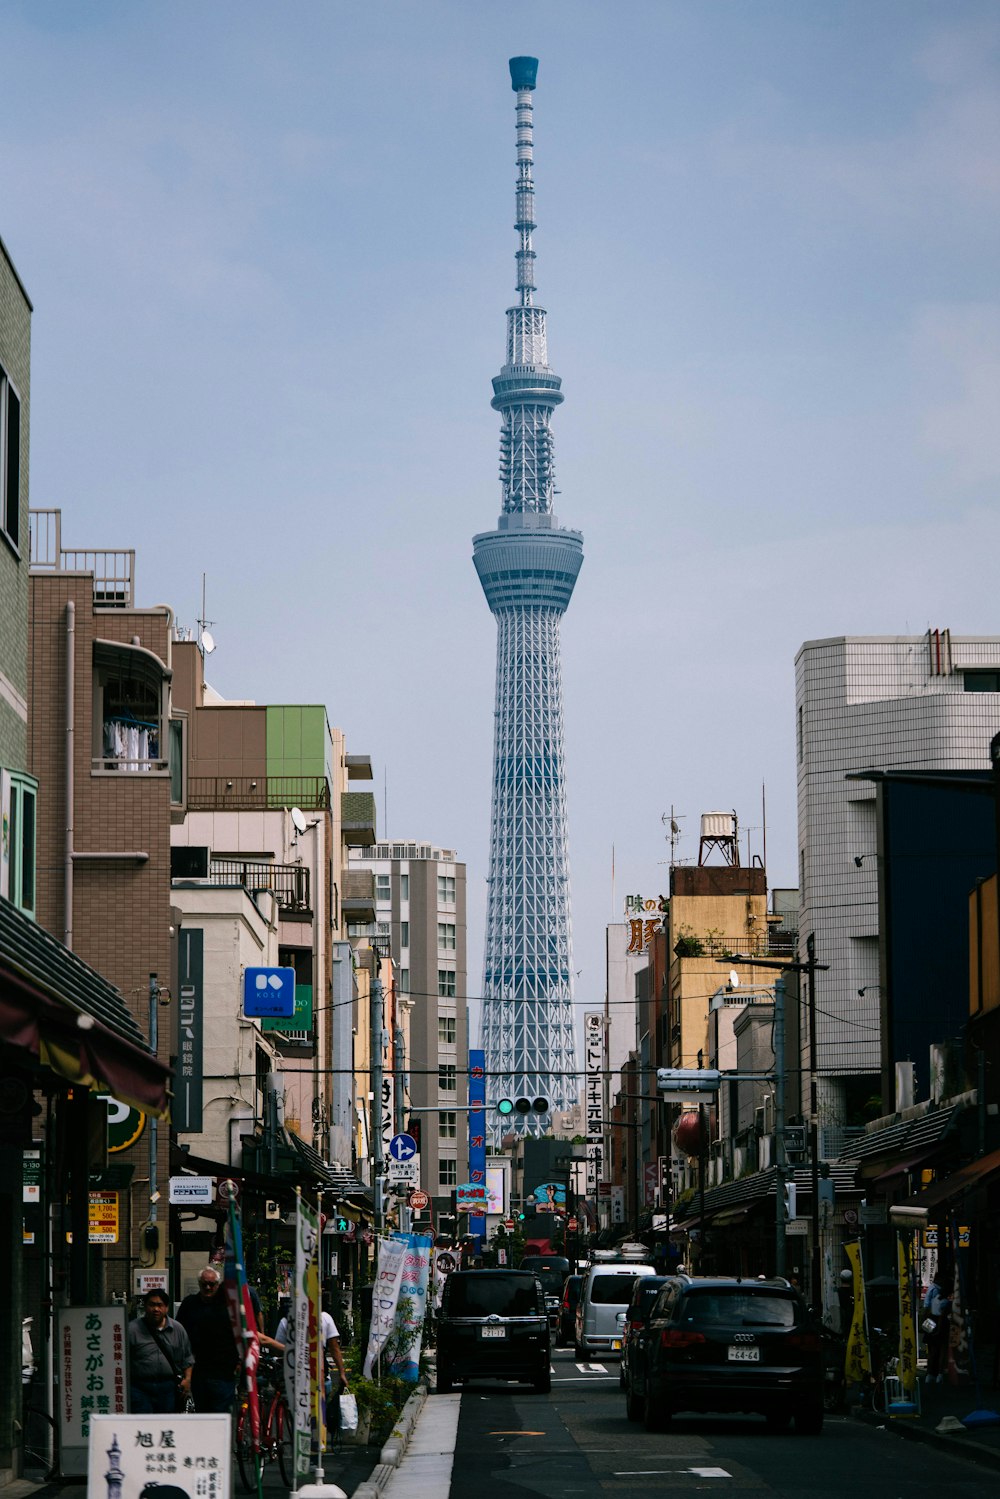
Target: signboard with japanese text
x=645, y=916
x=90, y=1343
x=134, y=1457
x=103, y=1217
x=192, y=1191
x=31, y=1174
x=593, y=1053
x=186, y=1108
x=477, y=1134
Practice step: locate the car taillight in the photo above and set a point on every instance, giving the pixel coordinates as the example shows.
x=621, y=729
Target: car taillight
x=635, y=1326
x=807, y=1341
x=678, y=1337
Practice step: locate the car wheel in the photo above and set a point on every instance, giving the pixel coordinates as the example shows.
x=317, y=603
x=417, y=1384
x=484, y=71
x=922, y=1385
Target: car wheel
x=778, y=1420
x=633, y=1405
x=543, y=1384
x=444, y=1379
x=621, y=1377
x=655, y=1417
x=809, y=1420
x=581, y=1354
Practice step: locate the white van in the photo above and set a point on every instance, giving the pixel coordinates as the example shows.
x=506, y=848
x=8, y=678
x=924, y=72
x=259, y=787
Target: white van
x=606, y=1291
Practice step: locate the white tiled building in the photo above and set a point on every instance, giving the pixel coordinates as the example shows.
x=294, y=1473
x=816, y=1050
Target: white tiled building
x=927, y=702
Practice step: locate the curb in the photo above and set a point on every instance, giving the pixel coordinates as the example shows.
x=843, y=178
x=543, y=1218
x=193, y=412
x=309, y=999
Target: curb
x=392, y=1452
x=955, y=1446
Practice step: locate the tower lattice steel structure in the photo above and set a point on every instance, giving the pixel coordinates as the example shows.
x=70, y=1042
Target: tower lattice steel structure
x=528, y=567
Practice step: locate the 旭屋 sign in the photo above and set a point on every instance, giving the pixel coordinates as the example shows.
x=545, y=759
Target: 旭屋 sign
x=179, y=1456
x=91, y=1353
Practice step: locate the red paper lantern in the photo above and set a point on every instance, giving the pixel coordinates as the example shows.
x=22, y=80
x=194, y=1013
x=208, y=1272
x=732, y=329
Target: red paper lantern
x=690, y=1134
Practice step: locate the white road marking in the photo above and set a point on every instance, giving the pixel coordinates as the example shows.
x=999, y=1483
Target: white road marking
x=592, y=1368
x=657, y=1472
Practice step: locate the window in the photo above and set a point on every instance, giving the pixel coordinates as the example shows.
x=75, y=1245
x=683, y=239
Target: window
x=447, y=1029
x=446, y=983
x=446, y=890
x=447, y=1173
x=383, y=890
x=981, y=681
x=446, y=936
x=10, y=461
x=175, y=754
x=131, y=698
x=17, y=854
x=404, y=887
x=404, y=981
x=448, y=1125
x=800, y=735
x=447, y=1081
x=404, y=934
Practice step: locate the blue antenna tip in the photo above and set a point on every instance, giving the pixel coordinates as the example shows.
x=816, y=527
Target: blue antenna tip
x=523, y=72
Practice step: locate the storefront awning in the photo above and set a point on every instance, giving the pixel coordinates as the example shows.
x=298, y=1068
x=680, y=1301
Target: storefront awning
x=957, y=1183
x=65, y=1016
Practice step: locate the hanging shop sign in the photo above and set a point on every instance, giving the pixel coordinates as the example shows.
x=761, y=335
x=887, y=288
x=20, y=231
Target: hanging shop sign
x=103, y=1217
x=646, y=916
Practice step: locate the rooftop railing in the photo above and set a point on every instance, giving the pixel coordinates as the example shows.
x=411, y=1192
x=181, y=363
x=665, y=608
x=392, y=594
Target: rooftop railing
x=113, y=567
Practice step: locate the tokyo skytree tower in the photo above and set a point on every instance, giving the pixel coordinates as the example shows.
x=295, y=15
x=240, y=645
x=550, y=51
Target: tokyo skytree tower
x=528, y=567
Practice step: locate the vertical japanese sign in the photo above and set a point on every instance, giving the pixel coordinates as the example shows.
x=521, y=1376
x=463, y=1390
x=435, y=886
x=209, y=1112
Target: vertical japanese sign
x=302, y=1351
x=91, y=1344
x=907, y=1329
x=187, y=1101
x=477, y=1133
x=134, y=1455
x=593, y=1053
x=413, y=1290
x=385, y=1298
x=858, y=1361
x=645, y=918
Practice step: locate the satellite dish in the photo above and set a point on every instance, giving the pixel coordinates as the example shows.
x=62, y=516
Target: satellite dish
x=207, y=642
x=298, y=819
x=734, y=978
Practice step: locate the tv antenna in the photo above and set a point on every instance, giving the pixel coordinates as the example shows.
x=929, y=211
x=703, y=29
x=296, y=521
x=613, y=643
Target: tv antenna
x=672, y=821
x=205, y=637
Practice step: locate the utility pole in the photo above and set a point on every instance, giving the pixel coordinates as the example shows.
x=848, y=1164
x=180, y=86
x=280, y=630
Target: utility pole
x=816, y=1255
x=779, y=1123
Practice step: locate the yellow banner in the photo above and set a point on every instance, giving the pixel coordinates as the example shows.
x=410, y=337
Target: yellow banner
x=858, y=1362
x=907, y=1330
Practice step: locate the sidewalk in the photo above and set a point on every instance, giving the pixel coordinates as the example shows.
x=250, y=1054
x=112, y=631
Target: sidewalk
x=943, y=1409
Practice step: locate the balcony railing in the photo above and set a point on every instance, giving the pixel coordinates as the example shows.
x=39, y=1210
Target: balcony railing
x=713, y=944
x=288, y=882
x=257, y=794
x=113, y=568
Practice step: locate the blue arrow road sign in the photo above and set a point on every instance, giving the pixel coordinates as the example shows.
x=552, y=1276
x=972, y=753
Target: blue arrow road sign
x=269, y=993
x=402, y=1147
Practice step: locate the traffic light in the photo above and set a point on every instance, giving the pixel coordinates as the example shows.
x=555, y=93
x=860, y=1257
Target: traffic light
x=507, y=1106
x=790, y=1202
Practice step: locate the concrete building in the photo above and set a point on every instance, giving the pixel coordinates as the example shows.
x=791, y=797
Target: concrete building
x=923, y=702
x=420, y=911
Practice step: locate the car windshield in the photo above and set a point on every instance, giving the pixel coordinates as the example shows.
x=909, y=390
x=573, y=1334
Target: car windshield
x=552, y=1281
x=741, y=1308
x=611, y=1290
x=491, y=1296
x=642, y=1303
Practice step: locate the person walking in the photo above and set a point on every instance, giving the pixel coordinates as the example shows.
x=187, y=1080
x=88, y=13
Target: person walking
x=160, y=1359
x=205, y=1317
x=937, y=1326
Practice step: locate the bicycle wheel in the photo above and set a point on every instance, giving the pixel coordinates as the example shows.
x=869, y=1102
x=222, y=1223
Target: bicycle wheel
x=247, y=1460
x=38, y=1435
x=283, y=1437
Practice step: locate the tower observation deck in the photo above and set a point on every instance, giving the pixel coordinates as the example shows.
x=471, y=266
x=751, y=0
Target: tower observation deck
x=528, y=567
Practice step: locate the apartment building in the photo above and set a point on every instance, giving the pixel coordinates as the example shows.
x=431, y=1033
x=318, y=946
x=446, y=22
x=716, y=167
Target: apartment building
x=420, y=909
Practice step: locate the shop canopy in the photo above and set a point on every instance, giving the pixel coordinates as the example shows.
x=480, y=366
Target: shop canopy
x=954, y=1186
x=59, y=1013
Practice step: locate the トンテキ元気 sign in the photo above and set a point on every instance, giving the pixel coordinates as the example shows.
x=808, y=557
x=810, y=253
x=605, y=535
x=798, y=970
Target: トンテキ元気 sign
x=90, y=1350
x=179, y=1457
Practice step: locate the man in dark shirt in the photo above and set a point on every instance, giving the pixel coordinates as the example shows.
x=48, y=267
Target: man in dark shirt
x=205, y=1317
x=159, y=1358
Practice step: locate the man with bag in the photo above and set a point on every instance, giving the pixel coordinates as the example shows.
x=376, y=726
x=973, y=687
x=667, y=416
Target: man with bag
x=160, y=1359
x=936, y=1326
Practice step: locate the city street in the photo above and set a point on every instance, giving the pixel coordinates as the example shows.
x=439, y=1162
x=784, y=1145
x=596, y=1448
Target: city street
x=577, y=1441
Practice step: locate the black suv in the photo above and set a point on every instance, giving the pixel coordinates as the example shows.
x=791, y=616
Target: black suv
x=644, y=1294
x=493, y=1324
x=722, y=1344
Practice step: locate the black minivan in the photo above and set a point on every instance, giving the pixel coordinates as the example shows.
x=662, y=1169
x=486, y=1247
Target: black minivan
x=493, y=1324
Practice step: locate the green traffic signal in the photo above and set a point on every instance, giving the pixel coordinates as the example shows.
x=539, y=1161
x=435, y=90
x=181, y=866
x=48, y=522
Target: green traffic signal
x=505, y=1107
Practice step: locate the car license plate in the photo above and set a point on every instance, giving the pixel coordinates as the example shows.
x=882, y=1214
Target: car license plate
x=494, y=1332
x=744, y=1355
x=615, y=1343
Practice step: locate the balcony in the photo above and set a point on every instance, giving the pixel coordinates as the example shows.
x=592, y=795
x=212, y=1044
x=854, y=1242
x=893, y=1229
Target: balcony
x=289, y=883
x=359, y=767
x=260, y=794
x=357, y=818
x=113, y=569
x=715, y=944
x=358, y=900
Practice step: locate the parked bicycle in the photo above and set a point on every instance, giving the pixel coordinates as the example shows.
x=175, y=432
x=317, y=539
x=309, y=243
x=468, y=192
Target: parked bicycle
x=275, y=1441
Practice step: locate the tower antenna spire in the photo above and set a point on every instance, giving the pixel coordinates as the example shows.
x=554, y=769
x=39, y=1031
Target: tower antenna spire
x=528, y=568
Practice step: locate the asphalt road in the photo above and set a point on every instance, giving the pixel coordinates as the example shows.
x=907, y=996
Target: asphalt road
x=514, y=1444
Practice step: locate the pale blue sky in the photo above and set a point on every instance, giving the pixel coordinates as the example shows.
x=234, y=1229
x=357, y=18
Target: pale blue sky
x=270, y=250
